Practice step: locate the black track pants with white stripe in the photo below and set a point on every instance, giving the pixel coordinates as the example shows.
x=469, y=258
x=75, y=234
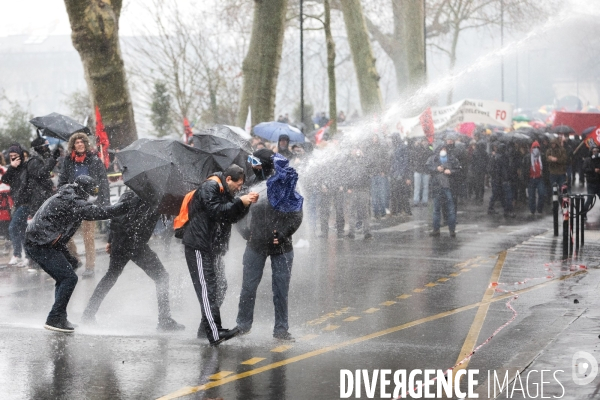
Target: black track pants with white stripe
x=202, y=270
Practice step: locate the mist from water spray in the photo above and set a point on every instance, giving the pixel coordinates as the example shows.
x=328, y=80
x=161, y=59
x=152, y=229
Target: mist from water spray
x=354, y=136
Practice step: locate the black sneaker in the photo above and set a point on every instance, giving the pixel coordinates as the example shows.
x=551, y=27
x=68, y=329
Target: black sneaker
x=285, y=336
x=224, y=335
x=452, y=234
x=59, y=326
x=434, y=233
x=368, y=236
x=169, y=325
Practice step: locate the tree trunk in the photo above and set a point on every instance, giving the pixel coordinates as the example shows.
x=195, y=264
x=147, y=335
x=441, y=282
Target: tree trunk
x=413, y=23
x=330, y=68
x=95, y=35
x=452, y=62
x=261, y=65
x=362, y=54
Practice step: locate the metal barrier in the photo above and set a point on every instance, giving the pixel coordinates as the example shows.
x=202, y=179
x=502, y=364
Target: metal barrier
x=574, y=213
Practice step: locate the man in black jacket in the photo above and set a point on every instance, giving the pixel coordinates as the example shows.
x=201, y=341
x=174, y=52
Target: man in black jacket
x=591, y=168
x=269, y=234
x=47, y=235
x=128, y=240
x=30, y=186
x=213, y=203
x=442, y=165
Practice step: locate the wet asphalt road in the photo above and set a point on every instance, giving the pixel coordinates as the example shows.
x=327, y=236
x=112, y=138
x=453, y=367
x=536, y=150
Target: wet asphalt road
x=401, y=301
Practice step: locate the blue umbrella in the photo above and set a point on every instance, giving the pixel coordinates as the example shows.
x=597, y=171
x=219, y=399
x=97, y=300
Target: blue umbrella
x=272, y=130
x=281, y=187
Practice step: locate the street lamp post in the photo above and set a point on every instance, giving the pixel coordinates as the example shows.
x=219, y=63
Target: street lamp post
x=501, y=47
x=301, y=63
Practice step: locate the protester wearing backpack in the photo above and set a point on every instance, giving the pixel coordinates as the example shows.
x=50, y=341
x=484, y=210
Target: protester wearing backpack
x=213, y=203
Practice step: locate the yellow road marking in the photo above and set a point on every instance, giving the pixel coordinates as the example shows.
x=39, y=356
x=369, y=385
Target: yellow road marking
x=193, y=389
x=418, y=290
x=387, y=303
x=307, y=337
x=327, y=316
x=253, y=361
x=431, y=284
x=220, y=375
x=351, y=319
x=404, y=296
x=473, y=335
x=331, y=327
x=443, y=279
x=281, y=349
x=371, y=310
x=454, y=274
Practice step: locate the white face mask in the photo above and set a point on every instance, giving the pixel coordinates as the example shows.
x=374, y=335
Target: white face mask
x=92, y=199
x=443, y=153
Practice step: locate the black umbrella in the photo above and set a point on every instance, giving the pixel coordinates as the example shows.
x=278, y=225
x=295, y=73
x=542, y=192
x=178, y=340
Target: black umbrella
x=224, y=145
x=587, y=131
x=562, y=129
x=58, y=126
x=163, y=171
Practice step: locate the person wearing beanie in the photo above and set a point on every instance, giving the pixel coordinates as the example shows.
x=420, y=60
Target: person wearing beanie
x=50, y=230
x=81, y=159
x=533, y=167
x=442, y=165
x=283, y=146
x=14, y=177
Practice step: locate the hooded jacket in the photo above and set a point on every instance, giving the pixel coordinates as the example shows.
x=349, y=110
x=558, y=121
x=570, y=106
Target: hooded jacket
x=60, y=216
x=526, y=164
x=208, y=208
x=132, y=230
x=558, y=167
x=439, y=180
x=39, y=182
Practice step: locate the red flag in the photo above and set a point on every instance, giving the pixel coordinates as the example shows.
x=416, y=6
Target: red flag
x=593, y=137
x=426, y=119
x=102, y=138
x=187, y=129
x=321, y=132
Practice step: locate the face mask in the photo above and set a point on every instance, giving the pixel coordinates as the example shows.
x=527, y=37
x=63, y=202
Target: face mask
x=443, y=153
x=92, y=199
x=536, y=151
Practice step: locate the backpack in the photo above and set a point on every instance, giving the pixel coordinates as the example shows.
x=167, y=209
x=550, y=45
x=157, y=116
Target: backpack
x=182, y=220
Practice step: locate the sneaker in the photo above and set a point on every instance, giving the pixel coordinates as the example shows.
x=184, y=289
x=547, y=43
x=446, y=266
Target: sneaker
x=24, y=263
x=368, y=236
x=15, y=260
x=224, y=335
x=434, y=233
x=452, y=234
x=286, y=336
x=59, y=326
x=88, y=273
x=169, y=325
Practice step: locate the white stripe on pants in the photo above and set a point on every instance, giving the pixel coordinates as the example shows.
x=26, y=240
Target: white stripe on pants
x=205, y=302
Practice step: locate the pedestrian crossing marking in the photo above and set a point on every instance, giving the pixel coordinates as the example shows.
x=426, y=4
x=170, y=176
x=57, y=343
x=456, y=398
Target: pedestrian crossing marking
x=253, y=361
x=418, y=290
x=387, y=303
x=220, y=375
x=431, y=284
x=404, y=296
x=454, y=274
x=351, y=319
x=331, y=327
x=281, y=349
x=371, y=310
x=443, y=279
x=307, y=337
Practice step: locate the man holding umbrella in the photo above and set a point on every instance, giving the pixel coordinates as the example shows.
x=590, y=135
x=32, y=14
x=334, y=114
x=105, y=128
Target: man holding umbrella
x=213, y=203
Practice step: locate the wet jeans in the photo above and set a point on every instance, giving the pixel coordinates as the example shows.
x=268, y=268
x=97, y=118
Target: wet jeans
x=439, y=196
x=421, y=182
x=58, y=264
x=379, y=194
x=536, y=184
x=281, y=268
x=16, y=229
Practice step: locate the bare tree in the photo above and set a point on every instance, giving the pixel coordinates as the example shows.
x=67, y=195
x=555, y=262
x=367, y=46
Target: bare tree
x=261, y=65
x=95, y=35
